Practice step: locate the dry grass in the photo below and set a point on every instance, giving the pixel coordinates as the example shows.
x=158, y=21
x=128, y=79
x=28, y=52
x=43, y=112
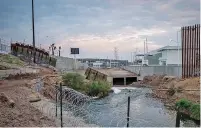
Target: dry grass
x=190, y=83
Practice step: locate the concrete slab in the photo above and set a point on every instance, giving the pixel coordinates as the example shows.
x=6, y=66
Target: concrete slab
x=115, y=73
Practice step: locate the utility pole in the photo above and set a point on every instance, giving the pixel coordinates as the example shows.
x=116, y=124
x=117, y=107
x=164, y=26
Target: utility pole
x=33, y=29
x=59, y=50
x=116, y=53
x=0, y=45
x=146, y=46
x=110, y=63
x=144, y=51
x=131, y=56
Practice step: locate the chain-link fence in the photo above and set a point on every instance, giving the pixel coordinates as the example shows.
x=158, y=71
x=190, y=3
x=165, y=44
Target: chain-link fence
x=5, y=48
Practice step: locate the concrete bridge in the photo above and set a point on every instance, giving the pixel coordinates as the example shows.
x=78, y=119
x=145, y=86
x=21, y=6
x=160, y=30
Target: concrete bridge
x=115, y=76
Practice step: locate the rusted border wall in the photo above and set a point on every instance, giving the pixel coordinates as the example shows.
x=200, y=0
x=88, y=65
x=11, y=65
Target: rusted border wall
x=190, y=37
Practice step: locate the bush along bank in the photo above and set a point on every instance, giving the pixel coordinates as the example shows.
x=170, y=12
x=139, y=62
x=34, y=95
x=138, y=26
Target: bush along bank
x=91, y=88
x=189, y=108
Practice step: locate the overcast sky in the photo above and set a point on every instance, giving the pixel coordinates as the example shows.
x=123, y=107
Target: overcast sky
x=97, y=26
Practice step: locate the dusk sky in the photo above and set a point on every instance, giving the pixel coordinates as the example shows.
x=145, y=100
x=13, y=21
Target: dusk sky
x=97, y=26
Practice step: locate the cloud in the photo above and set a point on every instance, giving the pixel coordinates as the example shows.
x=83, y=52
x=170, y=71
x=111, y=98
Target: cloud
x=126, y=39
x=98, y=26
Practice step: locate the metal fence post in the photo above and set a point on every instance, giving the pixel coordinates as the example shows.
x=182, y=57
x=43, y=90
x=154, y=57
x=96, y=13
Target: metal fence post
x=1, y=45
x=56, y=99
x=128, y=111
x=61, y=104
x=178, y=118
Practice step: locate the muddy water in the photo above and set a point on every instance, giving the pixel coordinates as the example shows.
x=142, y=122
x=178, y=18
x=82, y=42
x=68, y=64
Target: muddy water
x=145, y=111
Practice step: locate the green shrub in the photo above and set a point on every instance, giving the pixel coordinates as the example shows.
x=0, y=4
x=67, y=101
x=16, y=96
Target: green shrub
x=192, y=108
x=183, y=103
x=95, y=88
x=73, y=80
x=195, y=111
x=99, y=88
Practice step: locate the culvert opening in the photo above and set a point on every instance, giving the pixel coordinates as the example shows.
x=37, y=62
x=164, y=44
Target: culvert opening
x=130, y=80
x=118, y=81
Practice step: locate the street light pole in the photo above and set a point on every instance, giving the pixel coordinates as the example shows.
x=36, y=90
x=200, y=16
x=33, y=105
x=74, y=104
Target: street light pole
x=33, y=30
x=178, y=50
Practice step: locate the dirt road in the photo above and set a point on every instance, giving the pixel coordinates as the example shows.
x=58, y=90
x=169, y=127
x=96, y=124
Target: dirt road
x=23, y=113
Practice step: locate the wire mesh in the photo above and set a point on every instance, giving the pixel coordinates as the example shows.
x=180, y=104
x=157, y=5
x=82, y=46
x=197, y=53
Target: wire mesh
x=82, y=110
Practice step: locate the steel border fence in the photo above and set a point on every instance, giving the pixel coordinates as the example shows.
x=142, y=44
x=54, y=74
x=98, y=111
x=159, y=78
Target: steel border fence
x=190, y=37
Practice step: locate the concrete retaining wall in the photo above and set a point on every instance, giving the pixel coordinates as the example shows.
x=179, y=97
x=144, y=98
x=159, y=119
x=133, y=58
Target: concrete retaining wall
x=67, y=64
x=158, y=70
x=64, y=63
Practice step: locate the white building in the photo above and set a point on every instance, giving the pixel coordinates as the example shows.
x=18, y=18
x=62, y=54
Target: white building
x=97, y=64
x=140, y=59
x=170, y=55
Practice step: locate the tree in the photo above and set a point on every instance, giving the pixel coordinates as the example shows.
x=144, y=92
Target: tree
x=52, y=48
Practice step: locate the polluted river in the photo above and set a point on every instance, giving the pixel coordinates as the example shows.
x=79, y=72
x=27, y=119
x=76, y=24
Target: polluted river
x=111, y=111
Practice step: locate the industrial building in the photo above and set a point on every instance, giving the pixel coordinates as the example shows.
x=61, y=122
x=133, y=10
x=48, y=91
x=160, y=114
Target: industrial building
x=171, y=55
x=103, y=63
x=168, y=55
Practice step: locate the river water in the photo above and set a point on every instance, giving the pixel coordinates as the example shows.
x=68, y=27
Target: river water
x=145, y=111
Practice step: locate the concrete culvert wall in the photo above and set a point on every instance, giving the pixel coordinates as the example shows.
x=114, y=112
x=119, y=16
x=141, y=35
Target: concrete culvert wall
x=130, y=80
x=118, y=81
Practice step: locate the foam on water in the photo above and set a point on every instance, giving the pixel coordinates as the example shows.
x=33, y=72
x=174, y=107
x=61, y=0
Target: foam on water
x=116, y=90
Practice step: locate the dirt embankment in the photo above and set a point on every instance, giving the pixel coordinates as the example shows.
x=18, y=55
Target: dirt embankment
x=170, y=89
x=16, y=95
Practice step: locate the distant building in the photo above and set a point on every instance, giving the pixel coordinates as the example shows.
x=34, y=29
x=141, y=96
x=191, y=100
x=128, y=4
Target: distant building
x=167, y=55
x=103, y=63
x=98, y=64
x=153, y=59
x=141, y=59
x=170, y=55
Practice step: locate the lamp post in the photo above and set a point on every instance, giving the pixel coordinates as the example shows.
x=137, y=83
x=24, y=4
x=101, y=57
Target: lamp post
x=177, y=52
x=33, y=30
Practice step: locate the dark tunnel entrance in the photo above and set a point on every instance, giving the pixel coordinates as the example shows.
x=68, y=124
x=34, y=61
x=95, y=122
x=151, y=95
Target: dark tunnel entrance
x=130, y=80
x=118, y=81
